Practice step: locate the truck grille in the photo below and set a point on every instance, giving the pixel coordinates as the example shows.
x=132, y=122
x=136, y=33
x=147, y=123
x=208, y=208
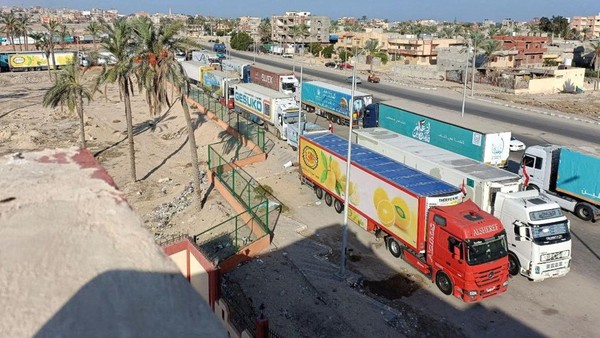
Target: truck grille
x=554, y=265
x=489, y=277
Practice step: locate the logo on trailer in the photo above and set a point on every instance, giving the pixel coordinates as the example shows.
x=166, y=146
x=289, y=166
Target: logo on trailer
x=310, y=158
x=422, y=131
x=251, y=102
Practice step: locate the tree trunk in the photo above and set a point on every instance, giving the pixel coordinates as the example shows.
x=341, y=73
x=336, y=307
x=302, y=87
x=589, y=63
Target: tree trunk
x=193, y=152
x=129, y=118
x=12, y=39
x=81, y=122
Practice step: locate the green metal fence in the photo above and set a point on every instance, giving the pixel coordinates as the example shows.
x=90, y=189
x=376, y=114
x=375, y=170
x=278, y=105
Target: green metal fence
x=245, y=127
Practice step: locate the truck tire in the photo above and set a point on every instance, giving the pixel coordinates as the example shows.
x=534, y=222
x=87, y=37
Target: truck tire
x=394, y=247
x=318, y=192
x=338, y=205
x=584, y=211
x=513, y=264
x=444, y=283
x=328, y=199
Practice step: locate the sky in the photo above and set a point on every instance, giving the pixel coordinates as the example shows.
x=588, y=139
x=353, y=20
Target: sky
x=393, y=10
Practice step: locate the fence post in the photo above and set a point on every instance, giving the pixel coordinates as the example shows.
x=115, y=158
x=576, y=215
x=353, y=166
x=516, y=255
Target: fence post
x=262, y=327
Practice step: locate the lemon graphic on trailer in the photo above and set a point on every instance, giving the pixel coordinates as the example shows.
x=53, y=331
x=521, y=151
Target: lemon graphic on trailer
x=334, y=166
x=378, y=196
x=401, y=213
x=385, y=212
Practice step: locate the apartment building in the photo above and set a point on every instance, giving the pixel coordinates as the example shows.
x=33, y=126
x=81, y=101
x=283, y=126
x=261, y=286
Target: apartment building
x=249, y=24
x=318, y=27
x=589, y=25
x=530, y=49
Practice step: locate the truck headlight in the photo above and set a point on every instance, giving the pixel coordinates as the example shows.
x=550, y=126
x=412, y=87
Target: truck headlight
x=565, y=254
x=472, y=293
x=545, y=257
x=505, y=283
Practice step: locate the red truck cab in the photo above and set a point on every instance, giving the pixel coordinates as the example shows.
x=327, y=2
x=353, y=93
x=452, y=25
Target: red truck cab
x=467, y=251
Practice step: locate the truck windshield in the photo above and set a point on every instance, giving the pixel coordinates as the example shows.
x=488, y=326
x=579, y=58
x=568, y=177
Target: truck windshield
x=481, y=250
x=551, y=233
x=288, y=86
x=293, y=118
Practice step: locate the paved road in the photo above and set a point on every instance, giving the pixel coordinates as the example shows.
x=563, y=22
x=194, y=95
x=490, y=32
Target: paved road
x=566, y=306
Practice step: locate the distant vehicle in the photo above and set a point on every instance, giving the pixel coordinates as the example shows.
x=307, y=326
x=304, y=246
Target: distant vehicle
x=516, y=145
x=358, y=80
x=345, y=65
x=180, y=56
x=288, y=56
x=373, y=78
x=330, y=64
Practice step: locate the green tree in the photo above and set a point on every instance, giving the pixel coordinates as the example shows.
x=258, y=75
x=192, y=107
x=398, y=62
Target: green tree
x=383, y=56
x=63, y=33
x=476, y=38
x=52, y=28
x=545, y=25
x=596, y=58
x=38, y=39
x=328, y=51
x=560, y=26
x=264, y=30
x=241, y=41
x=315, y=48
x=489, y=47
x=372, y=48
x=71, y=87
x=118, y=43
x=299, y=33
x=9, y=27
x=344, y=54
x=94, y=28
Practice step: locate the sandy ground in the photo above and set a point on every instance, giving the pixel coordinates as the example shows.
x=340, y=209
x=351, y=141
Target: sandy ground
x=294, y=278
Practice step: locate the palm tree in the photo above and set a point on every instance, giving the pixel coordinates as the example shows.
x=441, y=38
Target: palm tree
x=596, y=58
x=9, y=26
x=52, y=28
x=38, y=39
x=585, y=31
x=264, y=30
x=23, y=24
x=299, y=31
x=94, y=28
x=372, y=47
x=63, y=33
x=118, y=43
x=71, y=87
x=489, y=47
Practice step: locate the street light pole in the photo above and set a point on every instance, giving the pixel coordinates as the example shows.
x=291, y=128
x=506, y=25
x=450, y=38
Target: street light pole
x=299, y=112
x=473, y=74
x=465, y=79
x=348, y=163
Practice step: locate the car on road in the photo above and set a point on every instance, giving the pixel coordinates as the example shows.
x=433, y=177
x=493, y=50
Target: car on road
x=358, y=80
x=288, y=56
x=516, y=145
x=345, y=65
x=330, y=64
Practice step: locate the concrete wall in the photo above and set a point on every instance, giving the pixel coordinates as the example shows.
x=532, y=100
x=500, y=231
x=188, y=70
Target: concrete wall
x=563, y=80
x=199, y=278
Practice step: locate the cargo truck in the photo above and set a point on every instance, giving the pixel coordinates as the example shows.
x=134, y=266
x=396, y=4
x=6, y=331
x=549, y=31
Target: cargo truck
x=267, y=107
x=278, y=79
x=484, y=184
x=194, y=70
x=422, y=219
x=487, y=145
x=332, y=102
x=206, y=58
x=240, y=67
x=305, y=129
x=23, y=61
x=222, y=84
x=568, y=176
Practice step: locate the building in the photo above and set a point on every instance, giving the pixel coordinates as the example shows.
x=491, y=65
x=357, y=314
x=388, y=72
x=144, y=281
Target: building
x=530, y=49
x=318, y=27
x=250, y=24
x=589, y=25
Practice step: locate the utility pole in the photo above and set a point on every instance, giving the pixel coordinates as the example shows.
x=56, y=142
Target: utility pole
x=465, y=79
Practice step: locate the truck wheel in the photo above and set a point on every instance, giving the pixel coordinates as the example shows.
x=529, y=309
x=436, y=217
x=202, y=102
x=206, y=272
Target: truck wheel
x=319, y=192
x=513, y=264
x=444, y=283
x=394, y=247
x=328, y=199
x=584, y=211
x=339, y=206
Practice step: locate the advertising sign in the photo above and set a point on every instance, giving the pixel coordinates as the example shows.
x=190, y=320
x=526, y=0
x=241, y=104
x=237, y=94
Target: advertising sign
x=38, y=60
x=332, y=100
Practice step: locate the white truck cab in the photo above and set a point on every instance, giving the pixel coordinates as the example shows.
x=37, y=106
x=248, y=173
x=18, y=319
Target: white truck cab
x=538, y=234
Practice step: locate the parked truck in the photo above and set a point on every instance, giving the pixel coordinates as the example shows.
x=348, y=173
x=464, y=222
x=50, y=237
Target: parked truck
x=332, y=102
x=568, y=176
x=221, y=84
x=267, y=107
x=422, y=219
x=240, y=67
x=305, y=128
x=195, y=70
x=495, y=191
x=278, y=79
x=488, y=145
x=206, y=58
x=32, y=60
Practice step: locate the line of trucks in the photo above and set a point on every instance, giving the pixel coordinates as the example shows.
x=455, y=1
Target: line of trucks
x=475, y=227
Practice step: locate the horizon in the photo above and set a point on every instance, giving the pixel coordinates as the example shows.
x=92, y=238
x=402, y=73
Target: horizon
x=438, y=10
